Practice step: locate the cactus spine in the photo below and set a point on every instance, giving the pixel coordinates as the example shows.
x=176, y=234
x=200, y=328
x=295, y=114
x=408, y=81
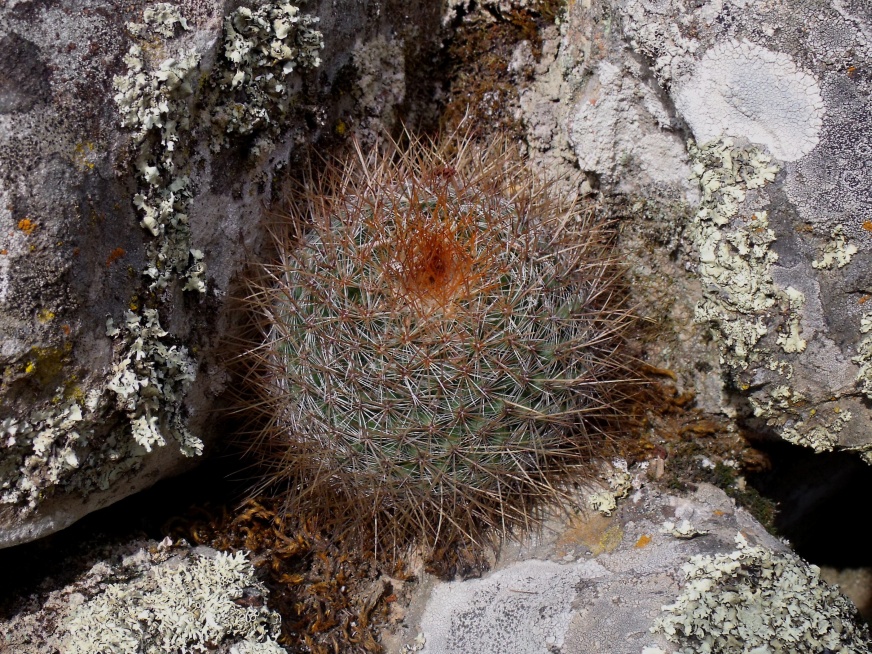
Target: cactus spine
x=441, y=344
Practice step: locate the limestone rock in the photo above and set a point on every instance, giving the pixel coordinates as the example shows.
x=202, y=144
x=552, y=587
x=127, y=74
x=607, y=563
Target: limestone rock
x=631, y=584
x=139, y=144
x=754, y=118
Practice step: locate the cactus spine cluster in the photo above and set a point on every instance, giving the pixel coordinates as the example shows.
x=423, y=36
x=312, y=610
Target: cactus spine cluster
x=440, y=351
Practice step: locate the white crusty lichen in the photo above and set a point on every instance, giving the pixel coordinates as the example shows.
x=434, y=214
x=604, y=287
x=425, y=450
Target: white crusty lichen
x=756, y=601
x=739, y=88
x=837, y=252
x=191, y=604
x=262, y=47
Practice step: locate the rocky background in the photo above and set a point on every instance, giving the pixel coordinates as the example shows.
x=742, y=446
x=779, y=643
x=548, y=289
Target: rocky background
x=141, y=143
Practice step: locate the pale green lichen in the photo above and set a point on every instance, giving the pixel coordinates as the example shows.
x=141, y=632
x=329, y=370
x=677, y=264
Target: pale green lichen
x=619, y=483
x=756, y=601
x=864, y=357
x=734, y=254
x=262, y=47
x=788, y=411
x=154, y=100
x=789, y=338
x=837, y=252
x=53, y=445
x=181, y=605
x=683, y=529
x=150, y=381
x=38, y=452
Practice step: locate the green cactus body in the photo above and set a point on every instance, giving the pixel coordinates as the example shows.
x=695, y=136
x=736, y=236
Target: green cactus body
x=441, y=345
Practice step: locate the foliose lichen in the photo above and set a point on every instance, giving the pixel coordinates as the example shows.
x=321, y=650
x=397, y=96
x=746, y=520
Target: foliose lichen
x=734, y=254
x=53, y=445
x=154, y=100
x=38, y=451
x=864, y=356
x=151, y=378
x=837, y=252
x=756, y=601
x=261, y=48
x=181, y=605
x=618, y=483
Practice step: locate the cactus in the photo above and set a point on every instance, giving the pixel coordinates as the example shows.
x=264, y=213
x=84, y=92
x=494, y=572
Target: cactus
x=440, y=352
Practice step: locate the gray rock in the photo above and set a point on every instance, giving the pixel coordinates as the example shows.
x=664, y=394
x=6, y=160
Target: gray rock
x=771, y=250
x=138, y=147
x=158, y=598
x=631, y=584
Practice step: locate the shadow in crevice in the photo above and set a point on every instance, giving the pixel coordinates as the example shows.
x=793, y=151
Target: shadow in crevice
x=824, y=507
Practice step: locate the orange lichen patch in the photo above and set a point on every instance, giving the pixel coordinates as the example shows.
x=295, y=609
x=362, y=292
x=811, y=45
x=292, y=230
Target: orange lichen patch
x=4, y=252
x=114, y=256
x=643, y=541
x=867, y=225
x=596, y=532
x=27, y=226
x=864, y=299
x=718, y=513
x=852, y=70
x=66, y=330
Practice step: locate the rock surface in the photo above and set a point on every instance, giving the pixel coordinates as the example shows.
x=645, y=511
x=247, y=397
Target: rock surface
x=630, y=583
x=154, y=597
x=742, y=133
x=139, y=144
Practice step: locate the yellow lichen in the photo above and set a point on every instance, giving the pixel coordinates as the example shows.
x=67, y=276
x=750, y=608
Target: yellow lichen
x=45, y=316
x=27, y=226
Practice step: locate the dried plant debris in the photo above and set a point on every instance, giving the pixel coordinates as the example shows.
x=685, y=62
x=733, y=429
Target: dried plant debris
x=485, y=34
x=331, y=597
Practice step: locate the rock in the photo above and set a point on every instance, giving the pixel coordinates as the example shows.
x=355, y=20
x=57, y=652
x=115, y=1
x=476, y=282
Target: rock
x=138, y=147
x=742, y=132
x=157, y=598
x=662, y=575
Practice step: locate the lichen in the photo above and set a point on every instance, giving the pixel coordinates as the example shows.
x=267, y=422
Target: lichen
x=734, y=255
x=837, y=252
x=181, y=605
x=151, y=380
x=618, y=483
x=739, y=88
x=38, y=451
x=864, y=356
x=154, y=101
x=755, y=601
x=261, y=48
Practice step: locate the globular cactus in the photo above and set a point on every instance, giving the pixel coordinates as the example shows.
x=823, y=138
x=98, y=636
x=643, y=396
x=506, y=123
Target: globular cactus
x=441, y=344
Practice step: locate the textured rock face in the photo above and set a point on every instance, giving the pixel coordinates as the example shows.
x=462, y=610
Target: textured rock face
x=664, y=574
x=138, y=145
x=755, y=117
x=154, y=598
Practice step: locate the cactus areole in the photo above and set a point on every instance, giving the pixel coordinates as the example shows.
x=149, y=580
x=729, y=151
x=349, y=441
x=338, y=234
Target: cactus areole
x=441, y=340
